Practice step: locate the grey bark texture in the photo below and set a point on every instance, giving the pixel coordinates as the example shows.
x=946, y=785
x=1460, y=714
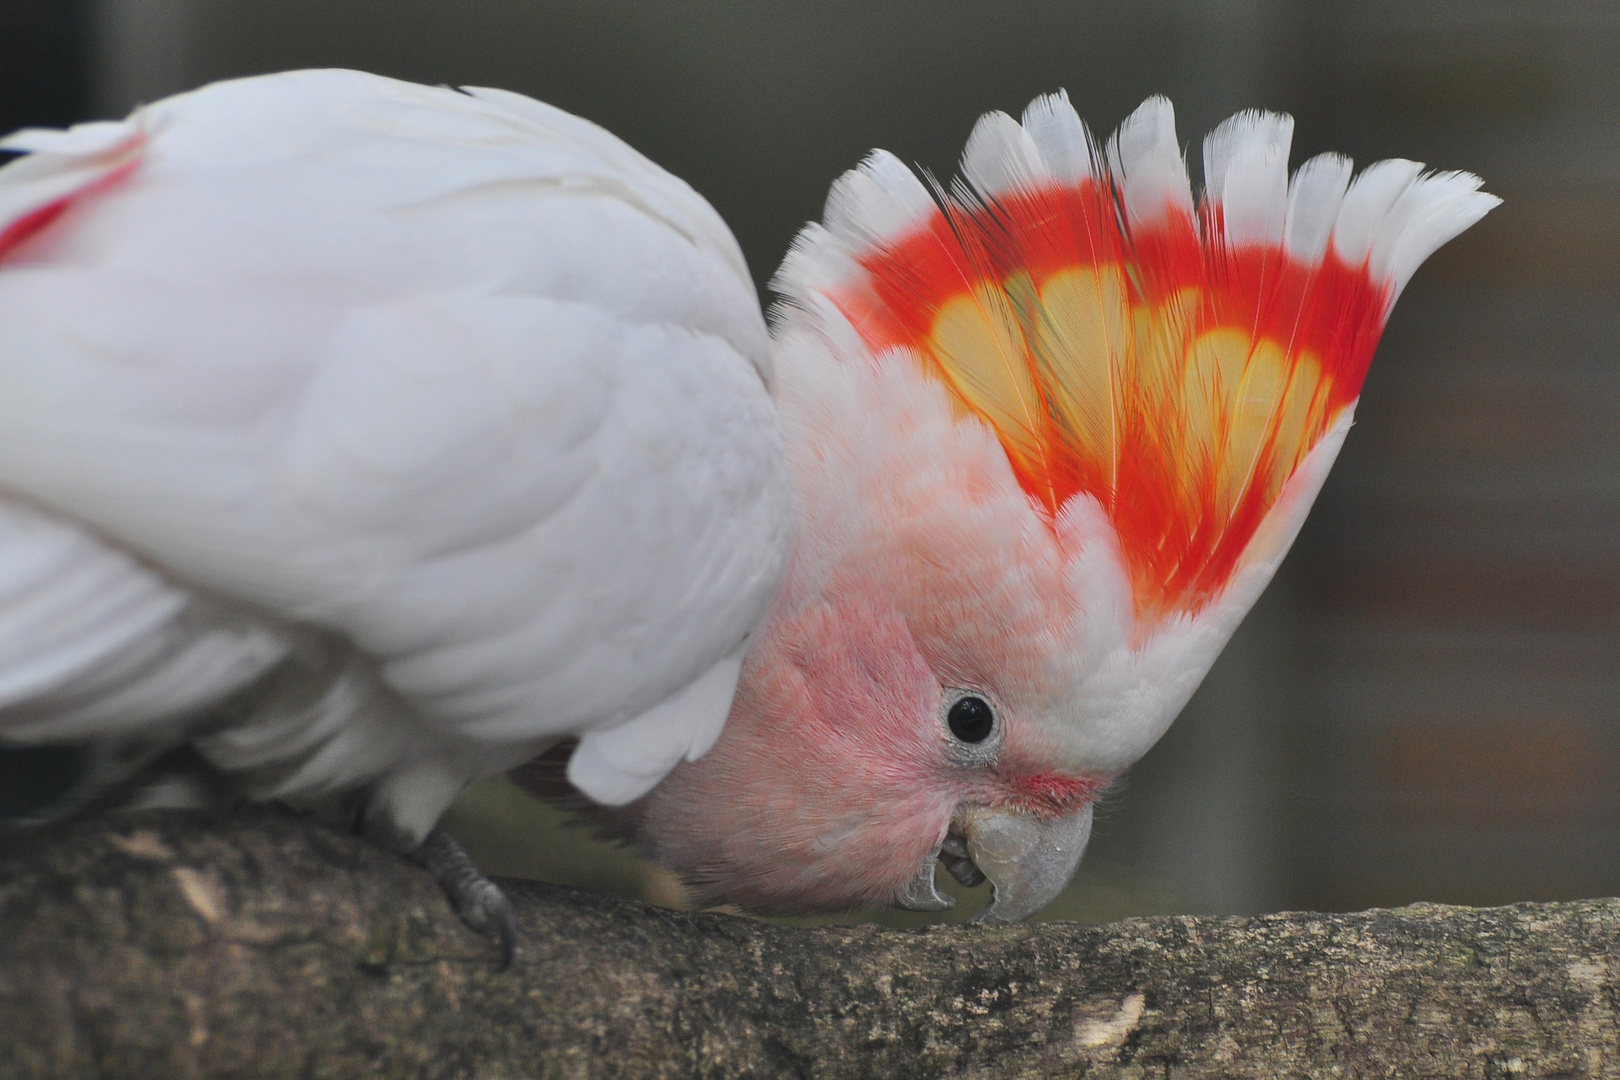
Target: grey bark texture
x=175, y=945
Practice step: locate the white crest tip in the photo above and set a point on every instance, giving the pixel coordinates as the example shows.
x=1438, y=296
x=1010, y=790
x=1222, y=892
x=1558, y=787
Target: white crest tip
x=1365, y=205
x=1246, y=173
x=875, y=201
x=1242, y=129
x=1000, y=157
x=1314, y=195
x=1146, y=160
x=1432, y=212
x=1061, y=137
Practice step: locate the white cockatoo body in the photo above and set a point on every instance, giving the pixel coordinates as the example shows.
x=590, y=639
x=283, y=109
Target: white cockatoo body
x=437, y=419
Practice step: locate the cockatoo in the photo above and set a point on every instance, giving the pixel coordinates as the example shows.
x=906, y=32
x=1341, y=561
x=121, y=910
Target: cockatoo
x=372, y=439
x=1051, y=433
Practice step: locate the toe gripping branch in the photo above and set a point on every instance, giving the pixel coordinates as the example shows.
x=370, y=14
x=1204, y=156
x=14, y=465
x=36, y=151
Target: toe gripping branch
x=480, y=902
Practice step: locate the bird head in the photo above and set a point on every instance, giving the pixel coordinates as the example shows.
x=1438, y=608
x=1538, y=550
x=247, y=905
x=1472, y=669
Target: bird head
x=1051, y=432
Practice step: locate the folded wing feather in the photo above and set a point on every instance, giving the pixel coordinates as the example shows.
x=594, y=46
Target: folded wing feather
x=459, y=381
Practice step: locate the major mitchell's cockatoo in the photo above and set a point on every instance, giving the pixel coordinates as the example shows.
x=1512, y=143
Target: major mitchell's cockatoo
x=370, y=439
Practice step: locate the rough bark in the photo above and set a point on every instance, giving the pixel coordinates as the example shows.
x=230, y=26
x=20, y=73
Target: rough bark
x=172, y=945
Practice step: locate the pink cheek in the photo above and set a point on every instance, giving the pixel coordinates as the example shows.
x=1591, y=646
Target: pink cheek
x=825, y=789
x=863, y=690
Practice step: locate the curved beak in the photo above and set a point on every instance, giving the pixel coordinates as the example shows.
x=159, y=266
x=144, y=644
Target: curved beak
x=1028, y=859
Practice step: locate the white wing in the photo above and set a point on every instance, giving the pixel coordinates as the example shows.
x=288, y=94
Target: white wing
x=459, y=377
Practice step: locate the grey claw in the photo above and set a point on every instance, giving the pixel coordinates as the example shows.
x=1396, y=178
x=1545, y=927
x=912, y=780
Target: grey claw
x=480, y=902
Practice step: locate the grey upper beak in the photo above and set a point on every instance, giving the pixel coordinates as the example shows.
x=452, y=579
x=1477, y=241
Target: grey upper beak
x=1028, y=859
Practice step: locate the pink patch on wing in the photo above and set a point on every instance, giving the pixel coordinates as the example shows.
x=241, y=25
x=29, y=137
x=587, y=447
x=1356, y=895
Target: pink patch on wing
x=24, y=228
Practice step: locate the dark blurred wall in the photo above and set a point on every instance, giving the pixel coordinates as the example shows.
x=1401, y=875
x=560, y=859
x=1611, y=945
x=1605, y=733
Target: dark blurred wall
x=1423, y=705
x=758, y=103
x=1462, y=571
x=45, y=67
x=44, y=62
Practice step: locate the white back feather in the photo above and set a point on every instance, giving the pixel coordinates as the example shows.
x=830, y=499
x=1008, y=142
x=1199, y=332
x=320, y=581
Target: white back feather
x=286, y=402
x=670, y=197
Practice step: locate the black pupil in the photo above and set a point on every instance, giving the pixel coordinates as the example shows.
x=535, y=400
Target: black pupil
x=971, y=719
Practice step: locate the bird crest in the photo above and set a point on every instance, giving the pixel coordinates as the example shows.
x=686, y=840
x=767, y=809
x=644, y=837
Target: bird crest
x=1175, y=361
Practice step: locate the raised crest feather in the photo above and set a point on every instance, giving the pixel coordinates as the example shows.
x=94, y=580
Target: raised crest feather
x=1175, y=361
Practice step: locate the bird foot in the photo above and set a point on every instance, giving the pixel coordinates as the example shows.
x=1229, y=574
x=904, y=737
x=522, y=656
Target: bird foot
x=480, y=902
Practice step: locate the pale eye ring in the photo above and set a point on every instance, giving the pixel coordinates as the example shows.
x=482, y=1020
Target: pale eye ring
x=971, y=719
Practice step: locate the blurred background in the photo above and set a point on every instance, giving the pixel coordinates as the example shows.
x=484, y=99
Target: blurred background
x=1424, y=706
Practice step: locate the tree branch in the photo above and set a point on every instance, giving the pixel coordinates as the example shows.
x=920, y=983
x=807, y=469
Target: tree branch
x=178, y=945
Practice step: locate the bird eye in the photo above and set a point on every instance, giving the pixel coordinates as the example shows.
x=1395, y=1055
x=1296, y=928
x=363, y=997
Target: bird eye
x=971, y=719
